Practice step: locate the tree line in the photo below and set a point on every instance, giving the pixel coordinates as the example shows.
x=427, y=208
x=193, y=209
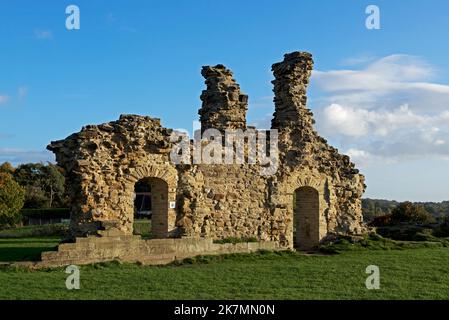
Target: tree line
x=373, y=208
x=29, y=186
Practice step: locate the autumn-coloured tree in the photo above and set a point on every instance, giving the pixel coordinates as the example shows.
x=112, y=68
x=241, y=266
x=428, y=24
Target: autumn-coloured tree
x=12, y=197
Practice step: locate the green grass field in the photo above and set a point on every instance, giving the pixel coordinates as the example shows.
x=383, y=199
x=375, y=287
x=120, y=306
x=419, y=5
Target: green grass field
x=23, y=249
x=421, y=273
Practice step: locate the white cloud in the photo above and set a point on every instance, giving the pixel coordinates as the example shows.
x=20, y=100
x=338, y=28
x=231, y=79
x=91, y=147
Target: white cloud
x=387, y=82
x=365, y=158
x=354, y=122
x=389, y=110
x=389, y=73
x=43, y=34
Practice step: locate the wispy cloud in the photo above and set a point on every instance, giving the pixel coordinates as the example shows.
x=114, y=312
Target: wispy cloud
x=18, y=156
x=4, y=98
x=389, y=110
x=358, y=60
x=394, y=80
x=22, y=92
x=43, y=34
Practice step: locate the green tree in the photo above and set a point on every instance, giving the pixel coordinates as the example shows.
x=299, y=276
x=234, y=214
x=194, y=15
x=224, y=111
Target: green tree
x=12, y=198
x=53, y=184
x=411, y=213
x=44, y=185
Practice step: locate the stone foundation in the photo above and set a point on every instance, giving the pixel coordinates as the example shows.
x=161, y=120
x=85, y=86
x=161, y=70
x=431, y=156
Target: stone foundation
x=128, y=248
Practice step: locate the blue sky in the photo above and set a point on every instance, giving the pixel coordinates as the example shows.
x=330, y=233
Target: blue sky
x=378, y=95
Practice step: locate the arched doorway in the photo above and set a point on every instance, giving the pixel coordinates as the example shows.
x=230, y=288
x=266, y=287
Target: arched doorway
x=306, y=233
x=151, y=202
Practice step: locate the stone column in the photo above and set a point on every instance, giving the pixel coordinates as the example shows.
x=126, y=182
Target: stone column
x=224, y=106
x=290, y=84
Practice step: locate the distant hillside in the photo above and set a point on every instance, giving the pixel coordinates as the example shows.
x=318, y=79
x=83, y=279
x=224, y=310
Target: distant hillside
x=378, y=207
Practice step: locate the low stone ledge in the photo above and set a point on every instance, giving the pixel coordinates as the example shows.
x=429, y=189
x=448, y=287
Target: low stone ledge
x=150, y=252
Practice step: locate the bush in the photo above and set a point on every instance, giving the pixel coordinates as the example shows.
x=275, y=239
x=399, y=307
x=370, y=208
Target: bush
x=399, y=232
x=12, y=197
x=377, y=242
x=381, y=221
x=407, y=212
x=443, y=228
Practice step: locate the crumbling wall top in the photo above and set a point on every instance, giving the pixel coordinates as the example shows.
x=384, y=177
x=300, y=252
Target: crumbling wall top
x=290, y=85
x=224, y=105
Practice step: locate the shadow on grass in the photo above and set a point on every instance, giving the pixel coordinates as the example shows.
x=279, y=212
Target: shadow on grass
x=27, y=241
x=23, y=253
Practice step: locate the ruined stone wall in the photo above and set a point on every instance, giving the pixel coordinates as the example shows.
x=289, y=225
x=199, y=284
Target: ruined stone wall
x=102, y=164
x=222, y=201
x=307, y=159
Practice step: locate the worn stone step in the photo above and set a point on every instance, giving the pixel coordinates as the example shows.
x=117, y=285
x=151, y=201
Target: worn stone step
x=49, y=255
x=111, y=233
x=95, y=239
x=156, y=251
x=68, y=246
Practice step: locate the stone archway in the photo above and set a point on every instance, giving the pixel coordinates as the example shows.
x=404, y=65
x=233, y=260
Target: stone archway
x=162, y=180
x=306, y=219
x=157, y=204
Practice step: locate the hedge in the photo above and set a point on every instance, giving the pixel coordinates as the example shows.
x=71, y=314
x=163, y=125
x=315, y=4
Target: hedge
x=48, y=213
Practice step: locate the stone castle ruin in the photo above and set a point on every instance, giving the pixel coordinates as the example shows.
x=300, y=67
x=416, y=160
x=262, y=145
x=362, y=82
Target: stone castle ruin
x=314, y=194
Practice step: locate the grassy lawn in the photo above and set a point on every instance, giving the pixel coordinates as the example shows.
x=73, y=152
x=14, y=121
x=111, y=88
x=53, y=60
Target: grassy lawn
x=52, y=230
x=405, y=274
x=26, y=243
x=22, y=249
x=142, y=227
x=408, y=270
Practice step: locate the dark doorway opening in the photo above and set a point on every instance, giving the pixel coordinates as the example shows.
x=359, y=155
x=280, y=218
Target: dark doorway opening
x=306, y=224
x=151, y=208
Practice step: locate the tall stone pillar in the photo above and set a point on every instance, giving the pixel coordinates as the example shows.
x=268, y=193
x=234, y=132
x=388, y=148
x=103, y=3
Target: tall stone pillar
x=290, y=84
x=224, y=106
